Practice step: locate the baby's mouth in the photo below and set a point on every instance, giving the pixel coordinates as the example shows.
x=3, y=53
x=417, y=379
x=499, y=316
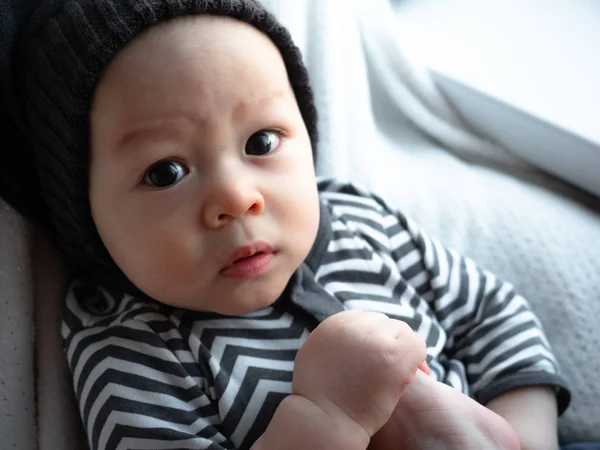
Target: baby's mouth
x=249, y=262
x=247, y=253
x=245, y=258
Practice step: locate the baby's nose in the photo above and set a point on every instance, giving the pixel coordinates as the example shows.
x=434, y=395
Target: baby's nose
x=231, y=201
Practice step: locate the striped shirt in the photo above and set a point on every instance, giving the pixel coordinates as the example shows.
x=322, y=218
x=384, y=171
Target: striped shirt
x=151, y=376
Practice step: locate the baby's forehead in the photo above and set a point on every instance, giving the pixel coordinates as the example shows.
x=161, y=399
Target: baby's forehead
x=212, y=46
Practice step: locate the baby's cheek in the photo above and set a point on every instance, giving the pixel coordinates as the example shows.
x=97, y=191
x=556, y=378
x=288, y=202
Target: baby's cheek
x=166, y=270
x=151, y=257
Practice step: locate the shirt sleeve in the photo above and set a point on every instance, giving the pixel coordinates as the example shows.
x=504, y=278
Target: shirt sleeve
x=136, y=382
x=490, y=328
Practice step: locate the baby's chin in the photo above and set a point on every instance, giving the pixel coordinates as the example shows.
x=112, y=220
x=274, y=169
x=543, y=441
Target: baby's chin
x=235, y=305
x=242, y=310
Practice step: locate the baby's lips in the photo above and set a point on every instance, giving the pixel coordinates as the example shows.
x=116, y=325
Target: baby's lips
x=423, y=367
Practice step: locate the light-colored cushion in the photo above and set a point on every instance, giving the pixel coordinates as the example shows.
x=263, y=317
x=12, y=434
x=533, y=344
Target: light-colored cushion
x=17, y=352
x=59, y=425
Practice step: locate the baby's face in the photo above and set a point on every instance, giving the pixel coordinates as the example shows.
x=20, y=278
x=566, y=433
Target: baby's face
x=202, y=184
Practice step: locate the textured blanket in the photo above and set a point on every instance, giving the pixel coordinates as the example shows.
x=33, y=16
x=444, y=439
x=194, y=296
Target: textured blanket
x=383, y=124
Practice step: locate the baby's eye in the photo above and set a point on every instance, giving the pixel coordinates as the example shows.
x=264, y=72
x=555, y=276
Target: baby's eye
x=262, y=143
x=164, y=174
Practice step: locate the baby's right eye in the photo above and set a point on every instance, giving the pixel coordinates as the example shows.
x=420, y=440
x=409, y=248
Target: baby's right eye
x=164, y=174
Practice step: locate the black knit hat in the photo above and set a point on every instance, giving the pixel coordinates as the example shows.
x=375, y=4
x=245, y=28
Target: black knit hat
x=55, y=64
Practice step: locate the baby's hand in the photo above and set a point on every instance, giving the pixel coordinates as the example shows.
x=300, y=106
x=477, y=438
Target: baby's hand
x=357, y=364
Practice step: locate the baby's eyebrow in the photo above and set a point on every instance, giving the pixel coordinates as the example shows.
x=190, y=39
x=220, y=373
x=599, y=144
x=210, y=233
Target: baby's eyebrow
x=157, y=130
x=176, y=127
x=258, y=101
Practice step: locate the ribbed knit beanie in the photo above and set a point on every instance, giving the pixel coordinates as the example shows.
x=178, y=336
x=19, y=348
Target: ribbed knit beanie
x=56, y=58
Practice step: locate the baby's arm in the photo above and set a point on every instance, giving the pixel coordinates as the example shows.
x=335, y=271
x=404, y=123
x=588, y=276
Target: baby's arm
x=494, y=332
x=532, y=412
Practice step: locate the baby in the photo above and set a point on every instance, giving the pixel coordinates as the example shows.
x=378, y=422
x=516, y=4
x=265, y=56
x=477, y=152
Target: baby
x=226, y=299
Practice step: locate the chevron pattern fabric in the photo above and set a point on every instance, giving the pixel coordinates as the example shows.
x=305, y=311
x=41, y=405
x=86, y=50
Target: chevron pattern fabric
x=150, y=376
